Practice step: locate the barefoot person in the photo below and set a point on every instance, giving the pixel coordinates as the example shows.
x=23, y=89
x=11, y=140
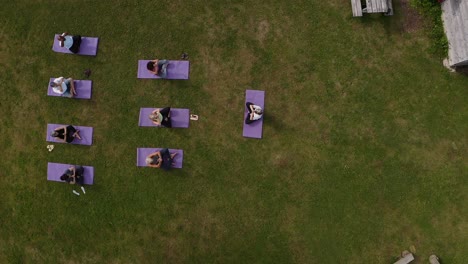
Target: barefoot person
x=158, y=67
x=161, y=117
x=74, y=175
x=161, y=159
x=255, y=113
x=65, y=87
x=66, y=134
x=70, y=42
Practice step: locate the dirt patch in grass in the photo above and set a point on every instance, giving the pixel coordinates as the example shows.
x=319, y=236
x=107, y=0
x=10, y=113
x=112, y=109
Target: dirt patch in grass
x=262, y=30
x=412, y=20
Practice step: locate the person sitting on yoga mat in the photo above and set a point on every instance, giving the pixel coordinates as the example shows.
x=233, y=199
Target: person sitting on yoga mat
x=255, y=113
x=73, y=175
x=161, y=159
x=158, y=67
x=65, y=87
x=66, y=133
x=161, y=117
x=70, y=42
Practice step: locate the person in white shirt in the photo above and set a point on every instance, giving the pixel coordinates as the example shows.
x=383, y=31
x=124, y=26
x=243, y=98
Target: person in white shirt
x=255, y=113
x=161, y=117
x=65, y=87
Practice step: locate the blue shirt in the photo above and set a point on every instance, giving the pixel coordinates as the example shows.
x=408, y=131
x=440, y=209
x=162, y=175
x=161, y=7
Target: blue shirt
x=68, y=42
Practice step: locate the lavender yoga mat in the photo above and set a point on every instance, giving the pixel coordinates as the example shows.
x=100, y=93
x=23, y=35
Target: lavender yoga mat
x=142, y=153
x=255, y=129
x=179, y=117
x=175, y=70
x=88, y=46
x=55, y=170
x=86, y=134
x=82, y=87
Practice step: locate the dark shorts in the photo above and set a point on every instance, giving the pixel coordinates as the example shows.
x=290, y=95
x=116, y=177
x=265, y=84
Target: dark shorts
x=75, y=48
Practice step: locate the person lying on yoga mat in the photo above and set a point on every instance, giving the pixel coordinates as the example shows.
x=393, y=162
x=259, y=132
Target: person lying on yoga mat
x=73, y=175
x=161, y=159
x=70, y=42
x=66, y=133
x=158, y=67
x=65, y=87
x=255, y=113
x=161, y=117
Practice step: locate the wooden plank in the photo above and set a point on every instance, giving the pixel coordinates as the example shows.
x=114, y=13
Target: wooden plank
x=376, y=6
x=357, y=8
x=455, y=17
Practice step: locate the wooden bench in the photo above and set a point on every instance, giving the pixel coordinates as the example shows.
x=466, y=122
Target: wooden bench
x=406, y=259
x=372, y=6
x=357, y=8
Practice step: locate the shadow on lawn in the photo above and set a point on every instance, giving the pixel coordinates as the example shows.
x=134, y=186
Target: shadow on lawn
x=275, y=123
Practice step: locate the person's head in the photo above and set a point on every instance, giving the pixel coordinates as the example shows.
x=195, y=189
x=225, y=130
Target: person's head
x=258, y=111
x=54, y=134
x=64, y=177
x=150, y=66
x=154, y=117
x=53, y=84
x=60, y=38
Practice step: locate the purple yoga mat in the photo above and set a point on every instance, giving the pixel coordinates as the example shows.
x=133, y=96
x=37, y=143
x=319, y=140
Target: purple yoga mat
x=142, y=153
x=255, y=129
x=86, y=134
x=82, y=87
x=88, y=46
x=179, y=117
x=55, y=170
x=175, y=70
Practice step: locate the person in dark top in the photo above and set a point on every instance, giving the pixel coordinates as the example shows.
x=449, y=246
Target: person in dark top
x=66, y=133
x=161, y=117
x=161, y=159
x=73, y=175
x=158, y=67
x=70, y=42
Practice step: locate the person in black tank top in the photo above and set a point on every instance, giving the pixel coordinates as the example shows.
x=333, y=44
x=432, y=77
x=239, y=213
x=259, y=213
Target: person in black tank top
x=66, y=133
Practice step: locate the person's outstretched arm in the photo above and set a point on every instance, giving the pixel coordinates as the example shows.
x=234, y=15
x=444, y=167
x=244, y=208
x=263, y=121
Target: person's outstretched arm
x=62, y=127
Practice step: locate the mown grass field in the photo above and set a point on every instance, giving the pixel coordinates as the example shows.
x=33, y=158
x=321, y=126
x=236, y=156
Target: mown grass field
x=364, y=152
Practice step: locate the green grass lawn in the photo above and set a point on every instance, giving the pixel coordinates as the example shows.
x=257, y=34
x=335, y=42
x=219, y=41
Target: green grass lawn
x=364, y=150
